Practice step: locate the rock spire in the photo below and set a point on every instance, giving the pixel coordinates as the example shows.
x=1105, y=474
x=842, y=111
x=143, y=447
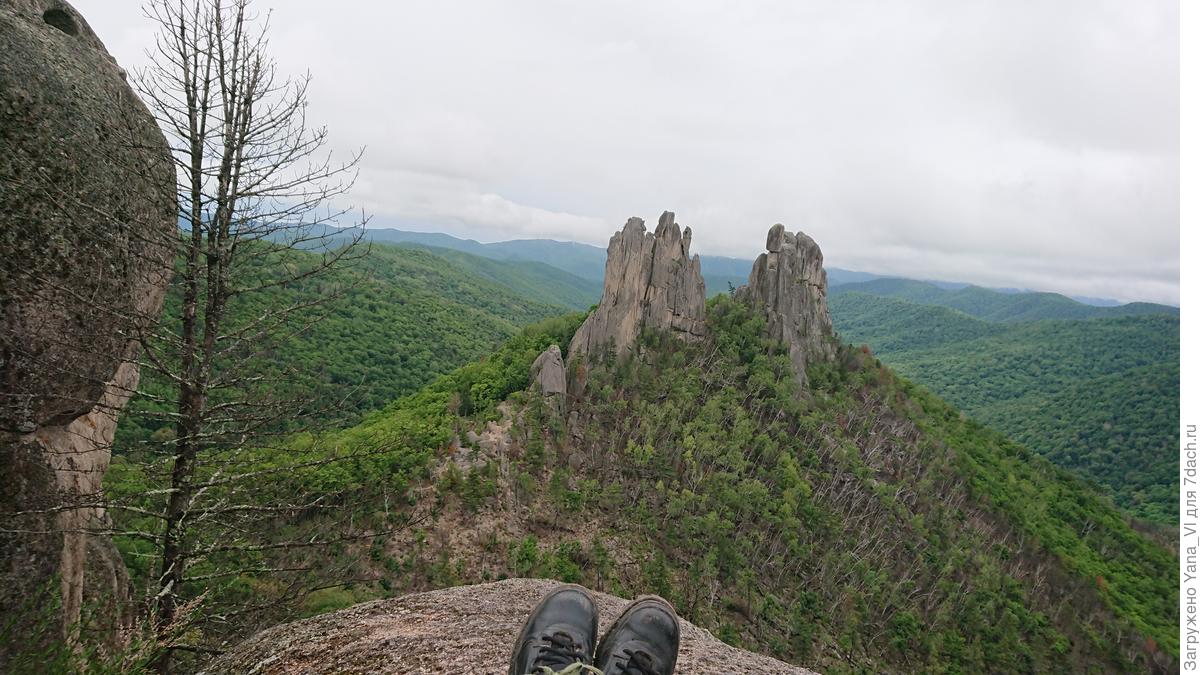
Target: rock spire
x=650, y=281
x=788, y=283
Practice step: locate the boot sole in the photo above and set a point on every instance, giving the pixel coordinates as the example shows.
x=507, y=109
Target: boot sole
x=642, y=601
x=512, y=660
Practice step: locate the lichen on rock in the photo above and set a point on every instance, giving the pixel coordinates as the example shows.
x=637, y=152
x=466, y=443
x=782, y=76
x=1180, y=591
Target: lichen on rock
x=465, y=629
x=87, y=226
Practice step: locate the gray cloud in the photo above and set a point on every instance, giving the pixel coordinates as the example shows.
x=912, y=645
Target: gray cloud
x=1003, y=143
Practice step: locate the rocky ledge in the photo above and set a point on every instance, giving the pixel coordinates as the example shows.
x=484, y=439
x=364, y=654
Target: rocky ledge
x=467, y=629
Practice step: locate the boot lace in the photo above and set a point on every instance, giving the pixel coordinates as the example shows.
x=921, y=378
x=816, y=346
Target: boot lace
x=560, y=650
x=637, y=663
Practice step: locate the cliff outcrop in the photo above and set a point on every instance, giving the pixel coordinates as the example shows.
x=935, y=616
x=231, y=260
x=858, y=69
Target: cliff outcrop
x=548, y=374
x=87, y=221
x=788, y=283
x=650, y=282
x=465, y=629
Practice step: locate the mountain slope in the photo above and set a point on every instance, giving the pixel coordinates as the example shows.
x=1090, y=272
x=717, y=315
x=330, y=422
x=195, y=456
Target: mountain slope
x=583, y=260
x=394, y=321
x=587, y=262
x=534, y=281
x=1098, y=396
x=867, y=527
x=890, y=325
x=993, y=305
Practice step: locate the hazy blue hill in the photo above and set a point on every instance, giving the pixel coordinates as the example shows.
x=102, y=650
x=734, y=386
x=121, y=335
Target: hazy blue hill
x=836, y=276
x=581, y=260
x=724, y=266
x=587, y=262
x=584, y=260
x=715, y=284
x=532, y=280
x=1098, y=396
x=994, y=305
x=438, y=239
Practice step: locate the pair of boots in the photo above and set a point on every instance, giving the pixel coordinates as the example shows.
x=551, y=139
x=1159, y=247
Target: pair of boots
x=560, y=637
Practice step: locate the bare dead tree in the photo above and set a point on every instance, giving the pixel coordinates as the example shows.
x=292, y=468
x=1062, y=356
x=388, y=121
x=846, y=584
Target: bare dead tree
x=229, y=502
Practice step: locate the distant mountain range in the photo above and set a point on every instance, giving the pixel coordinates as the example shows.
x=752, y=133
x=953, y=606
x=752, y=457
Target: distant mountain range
x=1004, y=306
x=720, y=272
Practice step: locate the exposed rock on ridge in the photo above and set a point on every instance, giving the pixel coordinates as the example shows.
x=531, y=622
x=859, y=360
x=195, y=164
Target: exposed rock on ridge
x=649, y=282
x=548, y=373
x=788, y=282
x=87, y=221
x=466, y=629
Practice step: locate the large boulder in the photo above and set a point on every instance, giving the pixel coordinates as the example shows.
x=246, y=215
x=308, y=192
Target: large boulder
x=466, y=629
x=788, y=284
x=87, y=223
x=650, y=282
x=548, y=374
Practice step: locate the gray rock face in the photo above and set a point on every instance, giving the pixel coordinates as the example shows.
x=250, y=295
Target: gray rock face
x=649, y=282
x=788, y=283
x=548, y=373
x=466, y=629
x=87, y=223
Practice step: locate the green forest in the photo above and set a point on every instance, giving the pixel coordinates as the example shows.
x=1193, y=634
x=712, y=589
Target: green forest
x=864, y=523
x=393, y=322
x=1099, y=396
x=867, y=523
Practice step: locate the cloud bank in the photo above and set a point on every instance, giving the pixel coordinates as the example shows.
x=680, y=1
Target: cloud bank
x=1015, y=144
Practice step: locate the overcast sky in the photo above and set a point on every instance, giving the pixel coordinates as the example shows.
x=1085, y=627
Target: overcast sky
x=1004, y=143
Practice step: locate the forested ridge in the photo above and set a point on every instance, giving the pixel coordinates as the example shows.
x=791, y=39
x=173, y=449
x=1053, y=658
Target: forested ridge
x=1098, y=396
x=392, y=323
x=866, y=526
x=994, y=305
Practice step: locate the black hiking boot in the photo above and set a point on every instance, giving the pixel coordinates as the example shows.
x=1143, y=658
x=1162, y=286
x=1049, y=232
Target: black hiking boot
x=643, y=641
x=560, y=631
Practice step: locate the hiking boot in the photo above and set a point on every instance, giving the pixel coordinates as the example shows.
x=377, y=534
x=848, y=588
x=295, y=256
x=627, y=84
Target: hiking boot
x=560, y=632
x=643, y=641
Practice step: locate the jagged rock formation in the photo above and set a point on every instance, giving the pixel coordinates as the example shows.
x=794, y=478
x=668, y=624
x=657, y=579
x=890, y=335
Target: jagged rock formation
x=87, y=218
x=649, y=282
x=548, y=374
x=466, y=629
x=788, y=283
